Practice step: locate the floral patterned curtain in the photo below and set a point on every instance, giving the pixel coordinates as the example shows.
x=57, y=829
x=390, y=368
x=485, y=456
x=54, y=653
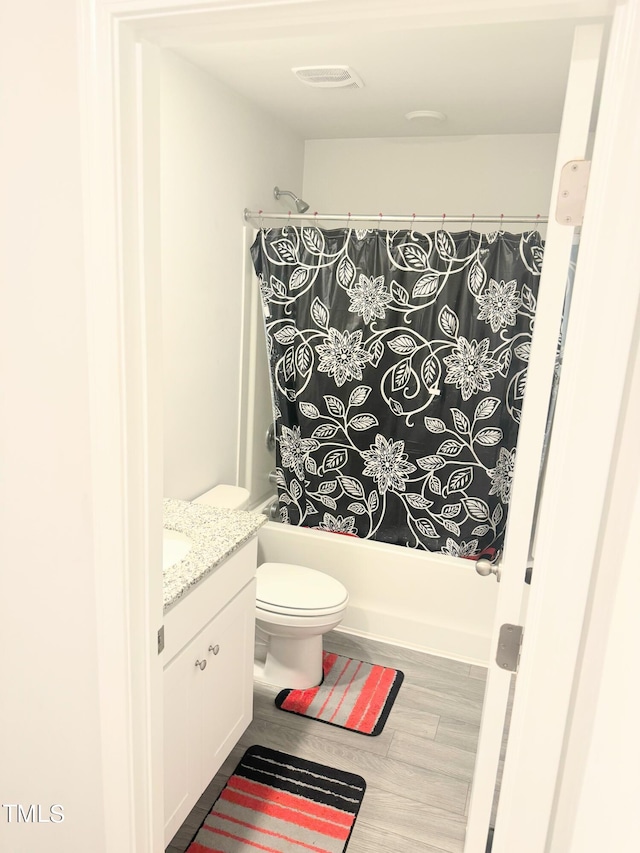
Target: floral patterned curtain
x=398, y=367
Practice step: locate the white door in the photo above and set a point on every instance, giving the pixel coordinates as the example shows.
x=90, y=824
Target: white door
x=572, y=145
x=583, y=497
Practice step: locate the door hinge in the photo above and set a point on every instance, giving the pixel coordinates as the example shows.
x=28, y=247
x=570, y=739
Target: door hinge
x=161, y=640
x=509, y=645
x=572, y=192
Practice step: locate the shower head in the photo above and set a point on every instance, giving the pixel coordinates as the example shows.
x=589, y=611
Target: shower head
x=301, y=206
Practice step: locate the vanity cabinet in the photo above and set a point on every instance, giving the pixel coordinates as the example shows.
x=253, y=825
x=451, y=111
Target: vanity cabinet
x=208, y=681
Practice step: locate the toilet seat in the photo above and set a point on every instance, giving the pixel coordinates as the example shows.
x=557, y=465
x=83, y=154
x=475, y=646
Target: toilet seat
x=290, y=590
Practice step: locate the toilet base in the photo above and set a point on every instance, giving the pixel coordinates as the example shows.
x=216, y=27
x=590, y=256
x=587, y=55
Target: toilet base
x=295, y=663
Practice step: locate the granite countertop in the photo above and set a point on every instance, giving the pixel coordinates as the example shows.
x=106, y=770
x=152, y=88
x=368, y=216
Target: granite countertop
x=214, y=533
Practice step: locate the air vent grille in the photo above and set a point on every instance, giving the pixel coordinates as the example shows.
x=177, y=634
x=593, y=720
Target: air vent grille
x=328, y=76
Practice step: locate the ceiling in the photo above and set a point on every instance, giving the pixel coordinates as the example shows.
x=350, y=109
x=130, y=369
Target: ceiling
x=493, y=79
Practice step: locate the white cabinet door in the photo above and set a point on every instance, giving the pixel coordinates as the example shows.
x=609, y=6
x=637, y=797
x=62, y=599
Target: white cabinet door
x=182, y=735
x=208, y=703
x=227, y=702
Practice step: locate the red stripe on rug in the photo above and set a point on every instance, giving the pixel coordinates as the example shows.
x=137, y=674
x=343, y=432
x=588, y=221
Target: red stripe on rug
x=345, y=691
x=196, y=847
x=272, y=795
x=217, y=831
x=286, y=813
x=299, y=700
x=335, y=686
x=362, y=703
x=375, y=701
x=371, y=691
x=379, y=700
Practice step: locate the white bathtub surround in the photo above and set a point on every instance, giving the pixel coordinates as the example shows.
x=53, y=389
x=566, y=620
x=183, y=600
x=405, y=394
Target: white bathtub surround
x=214, y=533
x=428, y=602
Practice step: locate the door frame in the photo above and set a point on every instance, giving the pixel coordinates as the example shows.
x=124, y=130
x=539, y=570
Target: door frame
x=123, y=301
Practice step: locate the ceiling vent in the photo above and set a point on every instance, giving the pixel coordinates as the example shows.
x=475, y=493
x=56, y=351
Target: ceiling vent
x=329, y=76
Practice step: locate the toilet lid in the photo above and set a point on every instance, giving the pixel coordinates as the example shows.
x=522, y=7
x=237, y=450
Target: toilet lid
x=283, y=587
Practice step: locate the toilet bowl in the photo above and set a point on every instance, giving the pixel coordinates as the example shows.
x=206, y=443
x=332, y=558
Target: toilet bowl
x=295, y=606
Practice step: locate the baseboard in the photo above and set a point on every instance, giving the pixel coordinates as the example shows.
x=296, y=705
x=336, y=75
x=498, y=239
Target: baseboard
x=433, y=639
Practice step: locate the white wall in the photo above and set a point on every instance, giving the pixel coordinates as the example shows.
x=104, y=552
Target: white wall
x=49, y=705
x=220, y=154
x=432, y=175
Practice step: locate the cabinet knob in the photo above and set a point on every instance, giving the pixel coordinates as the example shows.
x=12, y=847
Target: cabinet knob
x=201, y=663
x=215, y=649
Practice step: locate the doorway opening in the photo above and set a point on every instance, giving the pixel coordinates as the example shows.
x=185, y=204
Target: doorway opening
x=315, y=152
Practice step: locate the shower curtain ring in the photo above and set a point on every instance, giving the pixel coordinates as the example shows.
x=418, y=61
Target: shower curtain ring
x=444, y=216
x=473, y=216
x=501, y=221
x=379, y=220
x=260, y=212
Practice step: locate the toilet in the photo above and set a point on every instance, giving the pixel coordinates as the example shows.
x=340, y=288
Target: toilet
x=295, y=606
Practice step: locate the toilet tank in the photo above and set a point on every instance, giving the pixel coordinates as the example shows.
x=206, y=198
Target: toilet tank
x=225, y=497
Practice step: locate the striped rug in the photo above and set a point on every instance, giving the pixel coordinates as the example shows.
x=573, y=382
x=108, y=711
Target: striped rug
x=277, y=803
x=353, y=695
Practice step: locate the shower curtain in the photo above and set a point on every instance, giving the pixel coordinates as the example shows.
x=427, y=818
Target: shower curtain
x=398, y=365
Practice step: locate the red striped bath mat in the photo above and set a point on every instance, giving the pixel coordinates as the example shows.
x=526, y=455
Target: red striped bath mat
x=278, y=803
x=353, y=695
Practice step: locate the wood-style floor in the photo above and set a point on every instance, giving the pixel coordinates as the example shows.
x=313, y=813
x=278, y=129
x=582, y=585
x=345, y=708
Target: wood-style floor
x=418, y=771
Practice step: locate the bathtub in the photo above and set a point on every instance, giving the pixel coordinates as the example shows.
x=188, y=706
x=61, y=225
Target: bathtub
x=424, y=601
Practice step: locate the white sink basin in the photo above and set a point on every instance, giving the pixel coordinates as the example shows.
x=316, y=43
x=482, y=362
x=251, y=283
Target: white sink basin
x=175, y=547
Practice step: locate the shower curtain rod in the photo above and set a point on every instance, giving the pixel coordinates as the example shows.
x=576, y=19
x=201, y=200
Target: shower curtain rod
x=381, y=217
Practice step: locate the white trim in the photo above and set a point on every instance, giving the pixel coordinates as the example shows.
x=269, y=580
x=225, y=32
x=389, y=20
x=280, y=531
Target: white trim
x=126, y=448
x=199, y=19
x=605, y=302
x=148, y=680
x=108, y=436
